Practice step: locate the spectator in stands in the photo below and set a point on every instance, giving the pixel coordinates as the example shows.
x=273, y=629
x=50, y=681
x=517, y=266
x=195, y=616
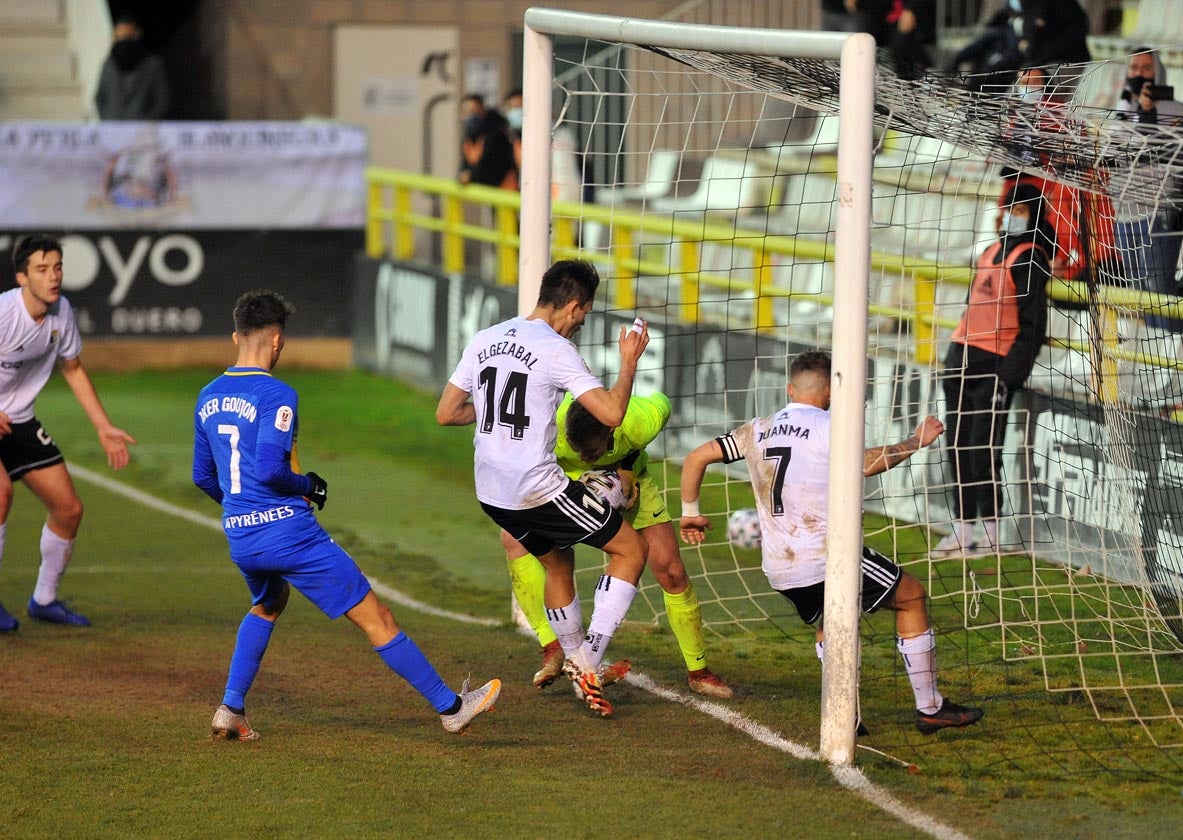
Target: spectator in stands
x=485, y=146
x=839, y=16
x=1145, y=98
x=1025, y=33
x=1149, y=236
x=904, y=27
x=989, y=60
x=990, y=356
x=511, y=106
x=132, y=83
x=472, y=109
x=1053, y=32
x=1082, y=222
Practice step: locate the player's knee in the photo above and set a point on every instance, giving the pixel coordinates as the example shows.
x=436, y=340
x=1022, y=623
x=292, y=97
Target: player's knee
x=68, y=513
x=389, y=625
x=668, y=569
x=910, y=594
x=513, y=548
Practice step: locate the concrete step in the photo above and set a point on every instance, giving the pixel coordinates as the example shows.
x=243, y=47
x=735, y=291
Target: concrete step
x=41, y=101
x=31, y=57
x=31, y=12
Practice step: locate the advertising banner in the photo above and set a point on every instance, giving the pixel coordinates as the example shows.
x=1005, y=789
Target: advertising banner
x=183, y=283
x=181, y=175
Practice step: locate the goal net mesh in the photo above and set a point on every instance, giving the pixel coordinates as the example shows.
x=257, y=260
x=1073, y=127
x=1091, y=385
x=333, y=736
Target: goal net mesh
x=704, y=186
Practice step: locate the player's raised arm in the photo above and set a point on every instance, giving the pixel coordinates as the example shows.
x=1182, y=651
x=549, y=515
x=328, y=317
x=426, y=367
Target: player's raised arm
x=608, y=405
x=693, y=525
x=879, y=459
x=455, y=407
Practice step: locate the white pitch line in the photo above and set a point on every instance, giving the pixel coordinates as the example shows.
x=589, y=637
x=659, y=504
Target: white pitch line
x=214, y=523
x=850, y=778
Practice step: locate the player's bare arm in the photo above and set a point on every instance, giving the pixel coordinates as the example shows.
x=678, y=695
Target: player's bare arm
x=879, y=459
x=693, y=525
x=114, y=440
x=455, y=407
x=5, y=424
x=608, y=405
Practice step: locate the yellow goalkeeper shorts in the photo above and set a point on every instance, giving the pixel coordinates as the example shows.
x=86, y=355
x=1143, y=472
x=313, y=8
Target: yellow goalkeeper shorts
x=650, y=509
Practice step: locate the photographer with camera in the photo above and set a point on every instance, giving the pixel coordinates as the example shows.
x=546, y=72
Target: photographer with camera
x=1145, y=98
x=1149, y=237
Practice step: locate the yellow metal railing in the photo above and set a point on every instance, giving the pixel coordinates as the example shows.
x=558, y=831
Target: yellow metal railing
x=391, y=223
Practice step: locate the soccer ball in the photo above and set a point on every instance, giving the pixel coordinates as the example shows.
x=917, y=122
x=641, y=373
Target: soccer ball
x=743, y=528
x=607, y=485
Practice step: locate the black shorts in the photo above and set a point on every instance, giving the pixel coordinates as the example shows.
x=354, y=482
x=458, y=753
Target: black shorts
x=28, y=447
x=577, y=515
x=881, y=578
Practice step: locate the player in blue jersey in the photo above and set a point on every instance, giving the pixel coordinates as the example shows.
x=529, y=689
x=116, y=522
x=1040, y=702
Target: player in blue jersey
x=244, y=457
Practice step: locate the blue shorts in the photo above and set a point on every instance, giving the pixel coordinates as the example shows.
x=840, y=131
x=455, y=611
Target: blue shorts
x=319, y=569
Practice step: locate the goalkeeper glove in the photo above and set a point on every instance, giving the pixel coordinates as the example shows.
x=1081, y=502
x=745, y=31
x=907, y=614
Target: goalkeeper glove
x=320, y=490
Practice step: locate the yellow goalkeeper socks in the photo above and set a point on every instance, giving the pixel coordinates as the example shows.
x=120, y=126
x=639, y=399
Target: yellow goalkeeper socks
x=685, y=619
x=528, y=579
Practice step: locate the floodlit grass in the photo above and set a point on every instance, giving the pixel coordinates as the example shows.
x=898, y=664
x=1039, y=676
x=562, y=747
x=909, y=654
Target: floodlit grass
x=104, y=730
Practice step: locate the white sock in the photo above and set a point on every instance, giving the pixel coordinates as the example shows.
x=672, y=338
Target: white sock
x=964, y=529
x=820, y=647
x=55, y=555
x=567, y=622
x=991, y=527
x=3, y=536
x=613, y=598
x=920, y=661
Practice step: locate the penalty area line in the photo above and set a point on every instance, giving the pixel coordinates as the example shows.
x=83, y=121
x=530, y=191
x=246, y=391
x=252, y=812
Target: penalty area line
x=213, y=523
x=850, y=778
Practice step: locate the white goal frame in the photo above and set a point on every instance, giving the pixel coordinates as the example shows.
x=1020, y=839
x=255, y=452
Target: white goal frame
x=856, y=52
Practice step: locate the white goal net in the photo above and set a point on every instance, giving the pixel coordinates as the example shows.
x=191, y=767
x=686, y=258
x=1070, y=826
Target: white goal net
x=704, y=186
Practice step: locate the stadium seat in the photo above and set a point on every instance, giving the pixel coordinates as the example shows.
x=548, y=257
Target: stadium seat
x=731, y=185
x=661, y=174
x=806, y=206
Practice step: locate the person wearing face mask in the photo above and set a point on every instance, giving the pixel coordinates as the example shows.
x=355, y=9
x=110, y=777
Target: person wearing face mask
x=512, y=107
x=990, y=355
x=1149, y=236
x=132, y=84
x=487, y=152
x=1082, y=222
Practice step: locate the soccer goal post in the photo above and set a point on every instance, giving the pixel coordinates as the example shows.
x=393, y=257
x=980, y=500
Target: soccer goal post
x=855, y=89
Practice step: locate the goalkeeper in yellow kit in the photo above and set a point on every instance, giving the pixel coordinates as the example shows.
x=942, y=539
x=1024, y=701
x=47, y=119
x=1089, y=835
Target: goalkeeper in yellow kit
x=584, y=443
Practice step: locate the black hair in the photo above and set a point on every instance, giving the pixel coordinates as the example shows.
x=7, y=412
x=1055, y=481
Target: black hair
x=811, y=361
x=260, y=308
x=569, y=280
x=584, y=431
x=27, y=246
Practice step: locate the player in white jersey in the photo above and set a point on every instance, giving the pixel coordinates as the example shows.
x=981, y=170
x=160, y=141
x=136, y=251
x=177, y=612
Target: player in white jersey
x=788, y=457
x=509, y=382
x=37, y=330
